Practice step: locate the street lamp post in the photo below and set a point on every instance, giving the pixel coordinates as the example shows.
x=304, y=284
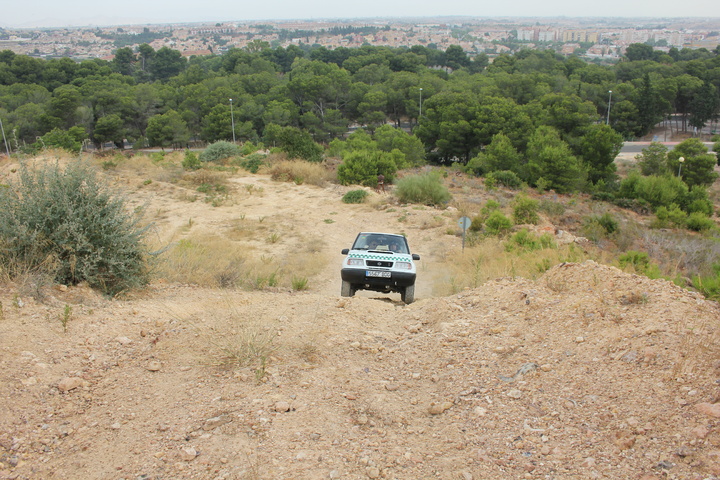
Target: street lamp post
x=607, y=120
x=232, y=119
x=420, y=114
x=7, y=147
x=681, y=160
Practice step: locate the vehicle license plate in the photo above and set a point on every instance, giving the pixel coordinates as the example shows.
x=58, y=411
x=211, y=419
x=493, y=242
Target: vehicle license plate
x=377, y=273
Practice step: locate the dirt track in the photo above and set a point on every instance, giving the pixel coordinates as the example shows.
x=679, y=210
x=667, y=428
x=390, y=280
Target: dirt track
x=587, y=372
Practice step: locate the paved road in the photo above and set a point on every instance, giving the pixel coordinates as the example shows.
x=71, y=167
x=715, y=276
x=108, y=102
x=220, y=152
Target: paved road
x=637, y=147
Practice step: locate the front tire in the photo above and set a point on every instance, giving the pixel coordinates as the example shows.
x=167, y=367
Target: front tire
x=408, y=294
x=347, y=289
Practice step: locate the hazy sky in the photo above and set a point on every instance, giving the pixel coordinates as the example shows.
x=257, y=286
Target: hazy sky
x=31, y=13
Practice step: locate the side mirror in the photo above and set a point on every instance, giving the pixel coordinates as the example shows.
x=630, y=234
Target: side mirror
x=415, y=256
x=345, y=251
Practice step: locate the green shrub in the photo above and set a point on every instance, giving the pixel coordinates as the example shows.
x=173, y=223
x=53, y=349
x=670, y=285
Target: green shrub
x=608, y=222
x=525, y=210
x=542, y=185
x=507, y=178
x=528, y=241
x=355, y=196
x=191, y=161
x=248, y=148
x=708, y=285
x=478, y=221
x=655, y=191
x=551, y=208
x=253, y=162
x=669, y=217
x=596, y=227
x=293, y=141
x=362, y=167
x=69, y=224
x=218, y=151
x=640, y=261
x=698, y=200
x=299, y=283
x=699, y=222
x=497, y=223
x=490, y=181
x=476, y=225
x=70, y=140
x=427, y=189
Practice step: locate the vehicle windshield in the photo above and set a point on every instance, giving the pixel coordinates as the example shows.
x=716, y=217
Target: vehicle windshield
x=381, y=243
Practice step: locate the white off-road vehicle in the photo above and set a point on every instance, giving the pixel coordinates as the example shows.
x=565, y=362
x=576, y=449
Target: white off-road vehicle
x=380, y=262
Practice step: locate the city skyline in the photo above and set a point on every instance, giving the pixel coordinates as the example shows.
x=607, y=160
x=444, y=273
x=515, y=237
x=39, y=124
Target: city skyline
x=74, y=13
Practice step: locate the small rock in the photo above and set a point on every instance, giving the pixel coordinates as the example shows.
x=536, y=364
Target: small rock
x=436, y=408
x=414, y=328
x=391, y=387
x=282, y=407
x=188, y=453
x=711, y=409
x=515, y=393
x=630, y=357
x=683, y=451
x=123, y=340
x=116, y=426
x=373, y=472
x=70, y=383
x=579, y=339
x=700, y=432
x=154, y=366
x=480, y=411
x=624, y=442
x=466, y=476
x=649, y=355
x=589, y=462
x=545, y=450
x=215, y=422
x=29, y=381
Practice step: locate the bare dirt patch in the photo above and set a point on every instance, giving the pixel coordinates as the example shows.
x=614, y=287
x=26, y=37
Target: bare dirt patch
x=585, y=372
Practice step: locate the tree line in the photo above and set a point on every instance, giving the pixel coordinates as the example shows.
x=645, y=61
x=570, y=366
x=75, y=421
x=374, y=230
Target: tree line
x=462, y=109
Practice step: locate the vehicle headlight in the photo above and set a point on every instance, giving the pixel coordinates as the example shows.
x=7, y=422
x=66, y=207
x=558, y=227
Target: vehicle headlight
x=355, y=261
x=403, y=265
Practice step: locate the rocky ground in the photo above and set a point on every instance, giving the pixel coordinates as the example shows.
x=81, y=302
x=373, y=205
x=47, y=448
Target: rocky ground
x=586, y=372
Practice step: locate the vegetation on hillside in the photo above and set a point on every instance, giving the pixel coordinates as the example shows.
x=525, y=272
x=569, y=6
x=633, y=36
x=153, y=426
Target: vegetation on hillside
x=532, y=120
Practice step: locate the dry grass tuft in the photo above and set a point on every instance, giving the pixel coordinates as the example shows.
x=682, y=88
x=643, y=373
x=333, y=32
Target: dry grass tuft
x=212, y=260
x=204, y=177
x=299, y=172
x=487, y=259
x=198, y=259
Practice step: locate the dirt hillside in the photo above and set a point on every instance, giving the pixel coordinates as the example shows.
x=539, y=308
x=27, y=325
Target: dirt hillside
x=586, y=372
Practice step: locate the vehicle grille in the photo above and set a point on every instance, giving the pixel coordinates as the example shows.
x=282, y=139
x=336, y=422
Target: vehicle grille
x=379, y=263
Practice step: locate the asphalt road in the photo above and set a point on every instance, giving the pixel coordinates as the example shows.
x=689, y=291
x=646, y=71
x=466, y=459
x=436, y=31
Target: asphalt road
x=637, y=147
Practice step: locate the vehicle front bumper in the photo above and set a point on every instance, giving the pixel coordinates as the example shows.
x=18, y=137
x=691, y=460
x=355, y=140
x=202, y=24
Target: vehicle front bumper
x=356, y=276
